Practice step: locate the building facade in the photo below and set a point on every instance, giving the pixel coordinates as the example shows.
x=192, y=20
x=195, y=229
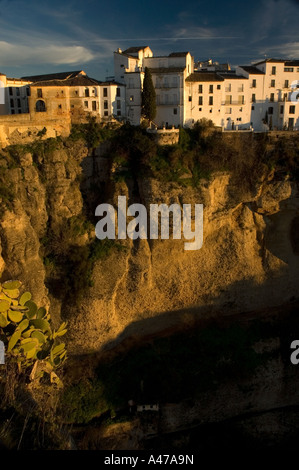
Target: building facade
x=259, y=97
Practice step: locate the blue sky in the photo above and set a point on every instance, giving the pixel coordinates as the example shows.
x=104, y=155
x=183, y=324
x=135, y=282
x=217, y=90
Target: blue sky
x=44, y=37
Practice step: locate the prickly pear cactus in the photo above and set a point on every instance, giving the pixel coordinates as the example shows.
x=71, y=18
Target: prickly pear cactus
x=27, y=334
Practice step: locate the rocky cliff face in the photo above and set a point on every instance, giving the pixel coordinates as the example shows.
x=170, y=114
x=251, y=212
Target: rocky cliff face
x=249, y=258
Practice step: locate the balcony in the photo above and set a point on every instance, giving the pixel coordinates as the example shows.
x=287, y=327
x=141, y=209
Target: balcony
x=236, y=103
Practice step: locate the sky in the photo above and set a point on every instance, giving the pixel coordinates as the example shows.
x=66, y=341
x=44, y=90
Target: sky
x=38, y=36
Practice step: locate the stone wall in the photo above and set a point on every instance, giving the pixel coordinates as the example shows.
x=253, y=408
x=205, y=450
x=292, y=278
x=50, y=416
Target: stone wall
x=24, y=128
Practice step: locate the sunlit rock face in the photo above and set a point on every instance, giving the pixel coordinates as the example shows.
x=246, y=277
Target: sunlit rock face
x=249, y=258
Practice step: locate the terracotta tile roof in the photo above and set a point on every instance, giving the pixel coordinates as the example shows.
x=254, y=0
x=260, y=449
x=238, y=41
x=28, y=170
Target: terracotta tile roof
x=252, y=70
x=269, y=60
x=166, y=69
x=80, y=80
x=232, y=76
x=133, y=50
x=54, y=76
x=290, y=63
x=204, y=77
x=178, y=54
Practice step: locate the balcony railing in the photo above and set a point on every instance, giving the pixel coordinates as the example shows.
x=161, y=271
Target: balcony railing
x=228, y=103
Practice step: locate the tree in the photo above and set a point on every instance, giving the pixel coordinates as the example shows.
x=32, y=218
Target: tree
x=148, y=97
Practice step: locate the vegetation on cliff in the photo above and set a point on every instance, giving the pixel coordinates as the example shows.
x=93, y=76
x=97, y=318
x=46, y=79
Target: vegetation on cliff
x=44, y=189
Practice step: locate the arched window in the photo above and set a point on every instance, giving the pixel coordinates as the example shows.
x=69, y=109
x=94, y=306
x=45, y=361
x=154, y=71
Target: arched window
x=40, y=106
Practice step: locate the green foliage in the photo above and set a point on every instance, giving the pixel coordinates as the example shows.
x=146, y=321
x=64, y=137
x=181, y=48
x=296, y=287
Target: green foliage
x=27, y=332
x=91, y=132
x=148, y=96
x=42, y=132
x=83, y=401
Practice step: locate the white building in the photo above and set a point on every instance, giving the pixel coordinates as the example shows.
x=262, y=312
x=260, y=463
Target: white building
x=15, y=95
x=281, y=80
x=256, y=97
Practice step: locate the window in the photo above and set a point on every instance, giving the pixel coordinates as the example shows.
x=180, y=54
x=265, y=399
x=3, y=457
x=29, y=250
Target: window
x=39, y=93
x=218, y=87
x=297, y=69
x=105, y=104
x=105, y=113
x=211, y=100
x=94, y=105
x=273, y=72
x=200, y=100
x=190, y=98
x=105, y=92
x=118, y=106
x=228, y=110
x=40, y=106
x=12, y=111
x=95, y=91
x=27, y=91
x=288, y=69
x=272, y=97
x=253, y=98
x=10, y=91
x=228, y=99
x=19, y=111
x=118, y=113
x=270, y=110
x=252, y=108
x=286, y=84
x=292, y=110
x=281, y=109
x=85, y=104
x=199, y=109
x=211, y=89
x=18, y=91
x=19, y=102
x=12, y=103
x=241, y=99
x=117, y=91
x=87, y=92
x=132, y=98
x=272, y=83
x=175, y=111
x=59, y=106
x=199, y=88
x=253, y=83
